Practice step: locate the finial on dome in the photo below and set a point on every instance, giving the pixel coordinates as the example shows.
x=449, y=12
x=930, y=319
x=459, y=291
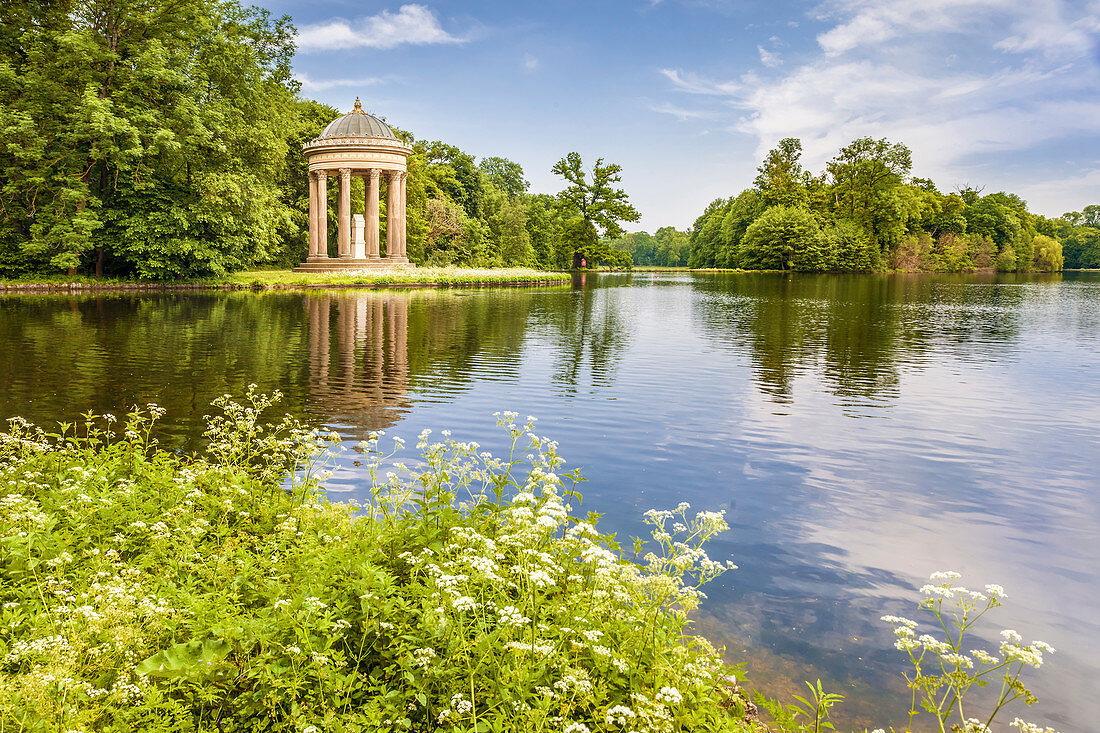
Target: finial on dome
x=358, y=107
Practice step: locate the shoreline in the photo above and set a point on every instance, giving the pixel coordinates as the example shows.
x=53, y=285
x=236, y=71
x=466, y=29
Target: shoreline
x=261, y=280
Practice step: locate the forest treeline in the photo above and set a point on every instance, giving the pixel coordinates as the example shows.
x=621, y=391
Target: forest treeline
x=864, y=212
x=164, y=141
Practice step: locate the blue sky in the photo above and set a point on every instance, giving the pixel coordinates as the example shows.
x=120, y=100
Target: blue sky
x=688, y=96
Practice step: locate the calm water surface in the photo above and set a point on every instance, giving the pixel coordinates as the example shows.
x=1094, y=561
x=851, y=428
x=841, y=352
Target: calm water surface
x=860, y=431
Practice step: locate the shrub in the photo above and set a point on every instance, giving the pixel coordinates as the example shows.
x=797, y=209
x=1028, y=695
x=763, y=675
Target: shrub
x=951, y=253
x=1006, y=259
x=1047, y=253
x=146, y=590
x=982, y=251
x=783, y=238
x=849, y=248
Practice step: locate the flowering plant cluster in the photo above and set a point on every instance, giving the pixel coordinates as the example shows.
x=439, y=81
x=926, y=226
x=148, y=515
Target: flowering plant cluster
x=945, y=670
x=141, y=589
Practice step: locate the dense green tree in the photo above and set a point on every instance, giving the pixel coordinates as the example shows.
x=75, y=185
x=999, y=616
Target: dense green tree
x=505, y=175
x=510, y=228
x=453, y=174
x=1047, y=253
x=544, y=224
x=597, y=201
x=705, y=232
x=848, y=248
x=784, y=238
x=1081, y=247
x=867, y=178
x=672, y=247
x=738, y=215
x=996, y=217
x=1079, y=232
x=641, y=246
x=780, y=178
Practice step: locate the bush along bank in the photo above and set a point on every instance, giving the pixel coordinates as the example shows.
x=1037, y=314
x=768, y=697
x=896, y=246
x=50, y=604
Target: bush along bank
x=144, y=590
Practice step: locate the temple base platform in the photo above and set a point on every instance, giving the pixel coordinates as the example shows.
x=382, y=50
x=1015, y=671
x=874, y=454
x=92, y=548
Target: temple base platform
x=341, y=264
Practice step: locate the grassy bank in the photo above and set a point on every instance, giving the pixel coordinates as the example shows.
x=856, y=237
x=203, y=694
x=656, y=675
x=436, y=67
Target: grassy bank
x=285, y=279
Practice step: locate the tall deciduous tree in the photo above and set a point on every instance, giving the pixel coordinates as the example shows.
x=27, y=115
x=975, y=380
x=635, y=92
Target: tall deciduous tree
x=780, y=178
x=505, y=174
x=597, y=203
x=865, y=176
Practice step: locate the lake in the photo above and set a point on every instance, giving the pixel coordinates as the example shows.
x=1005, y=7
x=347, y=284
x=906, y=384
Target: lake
x=860, y=431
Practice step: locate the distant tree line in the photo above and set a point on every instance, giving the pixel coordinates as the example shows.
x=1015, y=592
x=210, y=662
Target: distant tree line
x=1079, y=232
x=668, y=247
x=164, y=141
x=864, y=212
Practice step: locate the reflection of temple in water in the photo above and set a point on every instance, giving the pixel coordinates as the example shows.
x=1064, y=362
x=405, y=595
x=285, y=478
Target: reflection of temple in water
x=359, y=359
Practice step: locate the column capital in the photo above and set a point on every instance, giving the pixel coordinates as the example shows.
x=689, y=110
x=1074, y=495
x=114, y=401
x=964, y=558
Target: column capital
x=345, y=174
x=375, y=173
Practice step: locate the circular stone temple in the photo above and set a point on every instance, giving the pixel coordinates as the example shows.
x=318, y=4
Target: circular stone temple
x=362, y=146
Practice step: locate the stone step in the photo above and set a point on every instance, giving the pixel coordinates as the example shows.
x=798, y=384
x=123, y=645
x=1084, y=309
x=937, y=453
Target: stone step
x=334, y=264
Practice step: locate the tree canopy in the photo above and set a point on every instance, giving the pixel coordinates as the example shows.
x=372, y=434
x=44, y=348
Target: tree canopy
x=865, y=212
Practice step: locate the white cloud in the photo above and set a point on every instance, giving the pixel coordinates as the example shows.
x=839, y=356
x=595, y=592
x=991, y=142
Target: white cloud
x=411, y=24
x=679, y=112
x=1045, y=29
x=871, y=22
x=530, y=63
x=311, y=85
x=770, y=59
x=686, y=82
x=962, y=82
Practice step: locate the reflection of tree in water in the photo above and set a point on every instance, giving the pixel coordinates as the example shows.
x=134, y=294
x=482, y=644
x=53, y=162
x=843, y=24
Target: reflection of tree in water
x=453, y=335
x=856, y=331
x=62, y=356
x=346, y=358
x=587, y=331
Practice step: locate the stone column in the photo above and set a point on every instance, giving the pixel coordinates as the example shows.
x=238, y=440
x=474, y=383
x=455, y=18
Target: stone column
x=343, y=224
x=401, y=229
x=373, y=182
x=393, y=201
x=312, y=215
x=322, y=214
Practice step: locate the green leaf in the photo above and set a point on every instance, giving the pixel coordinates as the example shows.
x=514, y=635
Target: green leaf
x=192, y=660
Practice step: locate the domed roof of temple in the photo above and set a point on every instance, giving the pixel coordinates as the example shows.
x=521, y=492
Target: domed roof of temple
x=357, y=123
